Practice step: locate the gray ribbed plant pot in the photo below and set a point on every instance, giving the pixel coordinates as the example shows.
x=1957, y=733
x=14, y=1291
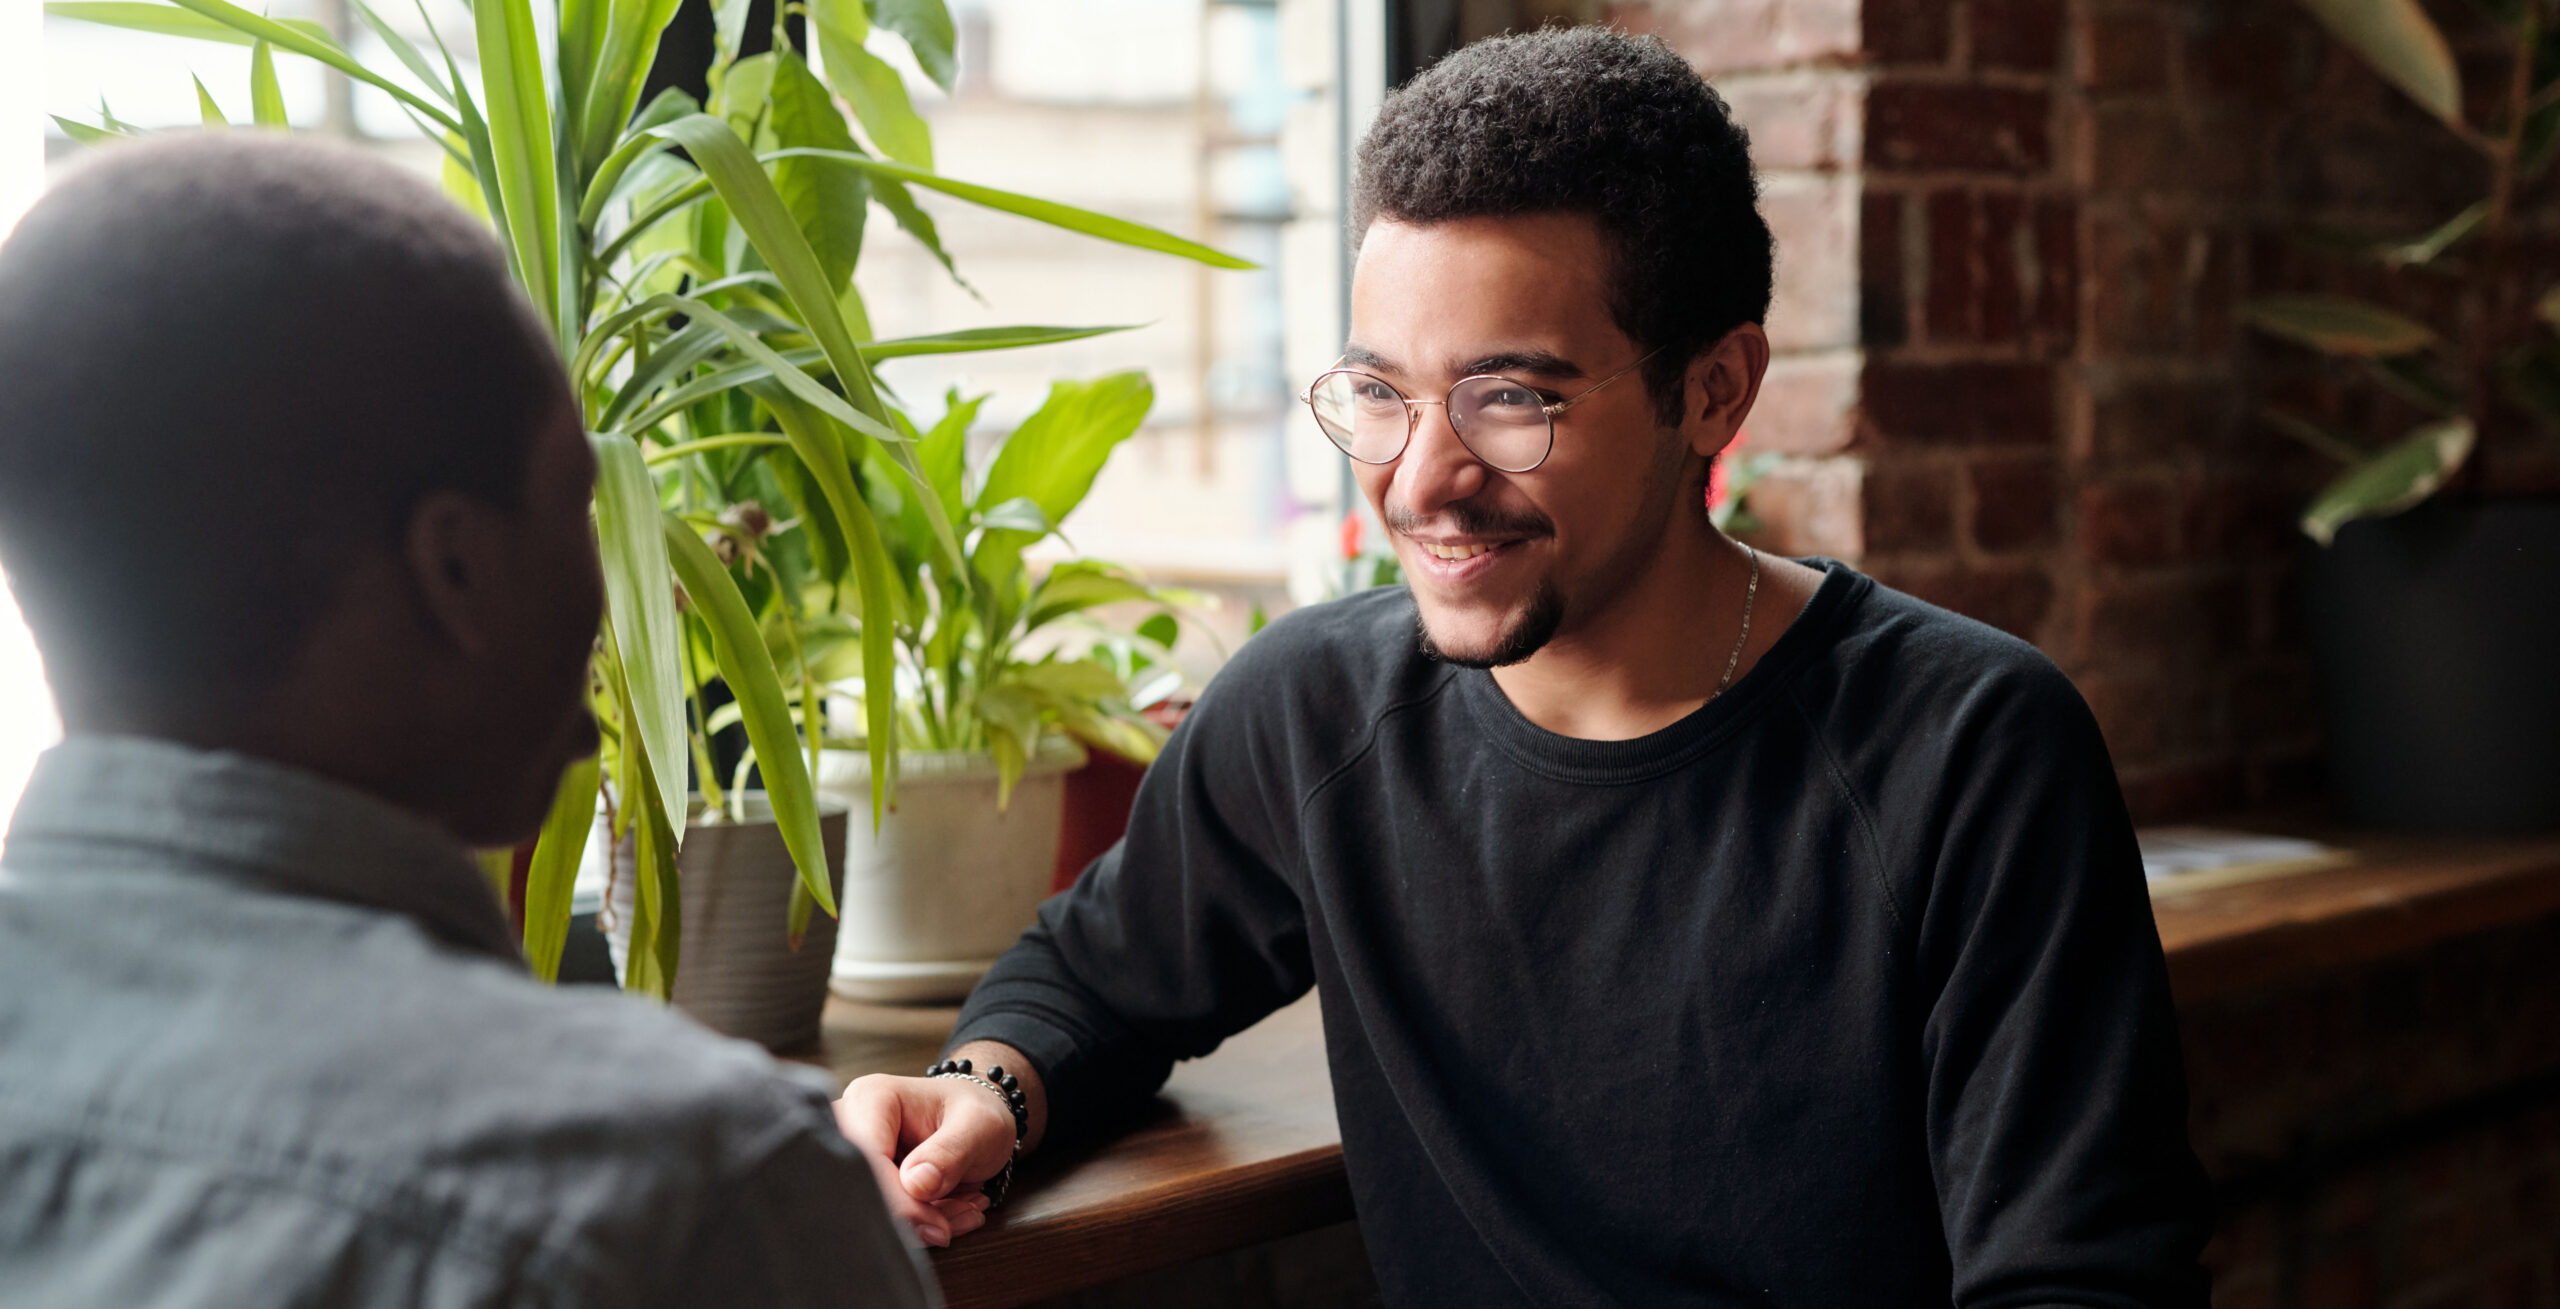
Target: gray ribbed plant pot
x=735, y=970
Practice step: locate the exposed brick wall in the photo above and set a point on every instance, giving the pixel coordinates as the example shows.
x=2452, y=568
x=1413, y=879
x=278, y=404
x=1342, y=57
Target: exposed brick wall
x=2011, y=379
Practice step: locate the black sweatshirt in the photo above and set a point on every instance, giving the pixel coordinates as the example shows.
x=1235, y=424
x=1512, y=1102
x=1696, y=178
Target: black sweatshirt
x=1841, y=991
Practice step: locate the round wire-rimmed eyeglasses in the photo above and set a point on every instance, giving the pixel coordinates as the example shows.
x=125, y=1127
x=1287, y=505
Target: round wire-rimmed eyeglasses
x=1508, y=424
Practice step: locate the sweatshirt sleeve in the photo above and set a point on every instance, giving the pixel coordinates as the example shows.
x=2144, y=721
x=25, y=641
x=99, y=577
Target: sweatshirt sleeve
x=2056, y=1100
x=1183, y=934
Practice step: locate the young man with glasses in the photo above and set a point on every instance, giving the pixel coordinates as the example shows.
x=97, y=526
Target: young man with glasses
x=1691, y=925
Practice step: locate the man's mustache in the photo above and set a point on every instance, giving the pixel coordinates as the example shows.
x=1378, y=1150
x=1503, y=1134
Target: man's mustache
x=1467, y=518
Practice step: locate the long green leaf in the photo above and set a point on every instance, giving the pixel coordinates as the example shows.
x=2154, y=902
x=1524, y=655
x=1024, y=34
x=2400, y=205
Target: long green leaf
x=2337, y=325
x=2401, y=43
x=1086, y=221
x=166, y=20
x=620, y=74
x=207, y=110
x=657, y=919
x=823, y=453
x=2401, y=475
x=554, y=872
x=734, y=172
x=300, y=39
x=405, y=52
x=84, y=134
x=266, y=98
x=983, y=338
x=738, y=647
x=520, y=143
x=641, y=609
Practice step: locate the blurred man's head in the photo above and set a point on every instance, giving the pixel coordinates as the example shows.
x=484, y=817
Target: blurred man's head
x=1554, y=208
x=288, y=466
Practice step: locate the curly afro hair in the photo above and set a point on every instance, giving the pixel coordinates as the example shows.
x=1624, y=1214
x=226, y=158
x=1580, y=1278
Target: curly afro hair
x=1588, y=120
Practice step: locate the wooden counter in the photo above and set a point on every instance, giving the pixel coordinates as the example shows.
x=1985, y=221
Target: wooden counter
x=1243, y=1147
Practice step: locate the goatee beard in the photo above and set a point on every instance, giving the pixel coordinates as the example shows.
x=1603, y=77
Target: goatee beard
x=1526, y=637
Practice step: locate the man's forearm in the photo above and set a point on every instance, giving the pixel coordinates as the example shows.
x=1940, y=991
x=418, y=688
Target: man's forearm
x=983, y=1055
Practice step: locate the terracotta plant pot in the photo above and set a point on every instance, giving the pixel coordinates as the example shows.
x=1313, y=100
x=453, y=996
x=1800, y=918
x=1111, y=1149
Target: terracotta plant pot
x=736, y=972
x=950, y=880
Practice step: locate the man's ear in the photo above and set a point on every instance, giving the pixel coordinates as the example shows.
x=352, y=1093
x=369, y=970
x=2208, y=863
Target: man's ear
x=1722, y=384
x=456, y=546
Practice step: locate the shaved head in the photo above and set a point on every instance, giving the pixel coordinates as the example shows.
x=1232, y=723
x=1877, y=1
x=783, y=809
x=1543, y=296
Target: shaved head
x=227, y=361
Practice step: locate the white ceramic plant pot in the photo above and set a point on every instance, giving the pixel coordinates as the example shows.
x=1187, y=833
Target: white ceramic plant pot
x=736, y=972
x=950, y=880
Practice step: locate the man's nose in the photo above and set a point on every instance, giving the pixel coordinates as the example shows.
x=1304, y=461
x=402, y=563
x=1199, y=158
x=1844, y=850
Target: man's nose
x=1436, y=468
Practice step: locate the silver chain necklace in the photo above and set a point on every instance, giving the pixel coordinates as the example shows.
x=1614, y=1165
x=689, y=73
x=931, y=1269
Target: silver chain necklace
x=1749, y=596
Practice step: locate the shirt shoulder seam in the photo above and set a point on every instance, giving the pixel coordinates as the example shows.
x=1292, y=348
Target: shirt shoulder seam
x=1857, y=808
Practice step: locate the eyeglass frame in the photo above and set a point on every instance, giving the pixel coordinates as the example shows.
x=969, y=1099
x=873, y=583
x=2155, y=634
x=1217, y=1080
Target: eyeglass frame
x=1413, y=418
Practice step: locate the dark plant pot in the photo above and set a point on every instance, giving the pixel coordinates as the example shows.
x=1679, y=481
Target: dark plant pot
x=2437, y=634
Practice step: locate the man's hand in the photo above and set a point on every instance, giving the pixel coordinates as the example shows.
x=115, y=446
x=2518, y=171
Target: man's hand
x=932, y=1140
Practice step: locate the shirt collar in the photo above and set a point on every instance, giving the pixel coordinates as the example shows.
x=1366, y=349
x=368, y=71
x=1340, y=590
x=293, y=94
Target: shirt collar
x=134, y=802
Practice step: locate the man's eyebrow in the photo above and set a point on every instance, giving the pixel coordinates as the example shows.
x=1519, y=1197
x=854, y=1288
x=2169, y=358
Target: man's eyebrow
x=1356, y=356
x=1541, y=362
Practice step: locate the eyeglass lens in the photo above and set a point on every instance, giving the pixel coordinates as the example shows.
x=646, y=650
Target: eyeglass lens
x=1502, y=422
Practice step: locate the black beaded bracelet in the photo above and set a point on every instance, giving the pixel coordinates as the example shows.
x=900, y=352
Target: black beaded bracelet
x=1009, y=1087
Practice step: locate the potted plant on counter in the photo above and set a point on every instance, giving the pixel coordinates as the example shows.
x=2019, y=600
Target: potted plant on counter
x=1002, y=682
x=695, y=263
x=2429, y=601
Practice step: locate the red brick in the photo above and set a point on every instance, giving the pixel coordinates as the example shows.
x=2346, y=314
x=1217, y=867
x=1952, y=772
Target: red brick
x=2013, y=503
x=2124, y=52
x=1973, y=404
x=1883, y=311
x=1808, y=404
x=2126, y=524
x=1970, y=128
x=1909, y=508
x=2012, y=597
x=1809, y=508
x=2153, y=421
x=1906, y=31
x=1954, y=247
x=2001, y=317
x=2057, y=264
x=1747, y=34
x=1798, y=120
x=2127, y=708
x=2023, y=35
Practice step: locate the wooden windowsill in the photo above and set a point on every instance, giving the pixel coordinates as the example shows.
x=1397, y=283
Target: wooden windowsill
x=1242, y=1146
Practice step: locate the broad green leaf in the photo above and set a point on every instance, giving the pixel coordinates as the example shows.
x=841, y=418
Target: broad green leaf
x=878, y=98
x=1078, y=585
x=728, y=30
x=829, y=203
x=740, y=96
x=2337, y=325
x=925, y=25
x=554, y=873
x=166, y=20
x=303, y=39
x=917, y=224
x=641, y=608
x=1163, y=629
x=734, y=172
x=2549, y=307
x=207, y=110
x=1102, y=226
x=845, y=20
x=520, y=142
x=2400, y=476
x=2399, y=41
x=1019, y=514
x=1053, y=457
x=2532, y=374
x=266, y=99
x=982, y=338
x=738, y=648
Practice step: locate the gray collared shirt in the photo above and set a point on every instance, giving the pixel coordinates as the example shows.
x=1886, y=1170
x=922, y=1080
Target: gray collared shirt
x=265, y=1040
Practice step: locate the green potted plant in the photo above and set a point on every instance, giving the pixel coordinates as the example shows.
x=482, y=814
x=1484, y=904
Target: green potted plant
x=2428, y=602
x=696, y=263
x=1002, y=681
